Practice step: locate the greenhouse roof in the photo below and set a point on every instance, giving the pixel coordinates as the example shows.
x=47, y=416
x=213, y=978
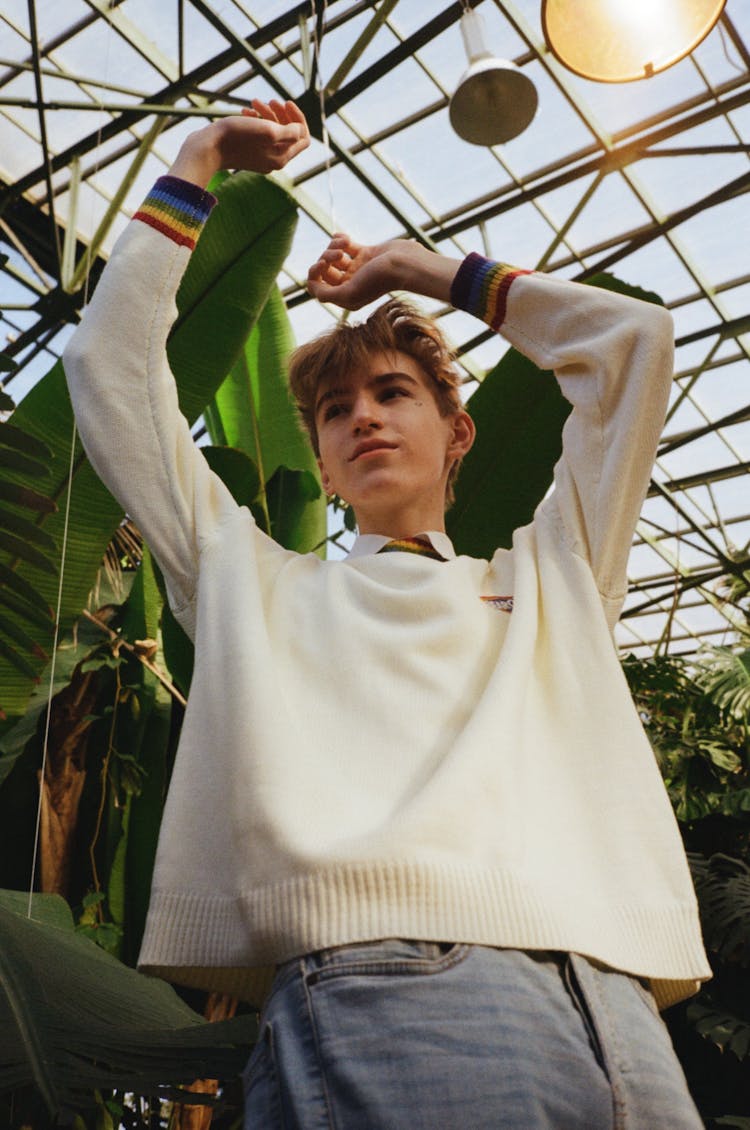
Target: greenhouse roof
x=646, y=179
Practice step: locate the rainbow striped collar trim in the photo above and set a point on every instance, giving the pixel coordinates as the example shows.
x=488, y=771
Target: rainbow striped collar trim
x=420, y=545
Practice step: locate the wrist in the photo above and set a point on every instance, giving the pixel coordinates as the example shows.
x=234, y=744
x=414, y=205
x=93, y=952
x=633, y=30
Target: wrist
x=427, y=272
x=199, y=156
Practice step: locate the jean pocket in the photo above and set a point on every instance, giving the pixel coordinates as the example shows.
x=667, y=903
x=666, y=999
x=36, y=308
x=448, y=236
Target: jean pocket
x=388, y=957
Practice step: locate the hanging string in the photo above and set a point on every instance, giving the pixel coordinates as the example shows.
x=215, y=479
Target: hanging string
x=66, y=520
x=318, y=22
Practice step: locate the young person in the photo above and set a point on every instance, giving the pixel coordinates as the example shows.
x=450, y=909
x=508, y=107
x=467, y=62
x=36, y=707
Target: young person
x=413, y=789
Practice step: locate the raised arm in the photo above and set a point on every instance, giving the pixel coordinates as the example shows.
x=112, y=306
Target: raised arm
x=122, y=390
x=351, y=275
x=612, y=357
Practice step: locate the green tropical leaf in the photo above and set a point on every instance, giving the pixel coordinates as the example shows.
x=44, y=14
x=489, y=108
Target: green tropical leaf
x=725, y=676
x=720, y=1025
x=228, y=281
x=29, y=612
x=237, y=470
x=224, y=289
x=519, y=412
x=17, y=547
x=722, y=885
x=255, y=408
x=26, y=530
x=253, y=411
x=13, y=631
x=22, y=464
x=291, y=499
x=73, y=1018
x=18, y=661
x=20, y=440
x=25, y=496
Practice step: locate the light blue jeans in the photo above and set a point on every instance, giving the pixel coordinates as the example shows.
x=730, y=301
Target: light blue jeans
x=403, y=1035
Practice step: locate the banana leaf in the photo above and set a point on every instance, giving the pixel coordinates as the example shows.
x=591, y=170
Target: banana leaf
x=25, y=614
x=253, y=411
x=519, y=412
x=238, y=471
x=74, y=1019
x=224, y=289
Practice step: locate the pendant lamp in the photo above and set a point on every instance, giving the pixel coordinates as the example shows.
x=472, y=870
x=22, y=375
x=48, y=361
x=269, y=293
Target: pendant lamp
x=494, y=100
x=625, y=40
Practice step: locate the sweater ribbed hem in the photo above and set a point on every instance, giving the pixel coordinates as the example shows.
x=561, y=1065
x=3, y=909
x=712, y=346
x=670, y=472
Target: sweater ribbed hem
x=210, y=940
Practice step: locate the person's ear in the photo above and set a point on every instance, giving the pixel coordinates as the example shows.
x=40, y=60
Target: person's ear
x=462, y=435
x=324, y=477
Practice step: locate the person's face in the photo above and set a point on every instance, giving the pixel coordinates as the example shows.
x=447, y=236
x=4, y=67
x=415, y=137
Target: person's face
x=384, y=446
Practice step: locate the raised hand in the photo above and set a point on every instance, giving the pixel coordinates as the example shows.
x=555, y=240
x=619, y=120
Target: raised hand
x=262, y=139
x=350, y=274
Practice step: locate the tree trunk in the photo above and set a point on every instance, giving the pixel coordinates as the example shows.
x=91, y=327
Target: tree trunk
x=64, y=778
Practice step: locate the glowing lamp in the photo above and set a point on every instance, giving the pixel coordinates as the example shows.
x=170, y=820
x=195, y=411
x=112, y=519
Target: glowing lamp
x=624, y=40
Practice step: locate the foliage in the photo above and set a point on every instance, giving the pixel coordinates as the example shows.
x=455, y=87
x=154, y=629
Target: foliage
x=74, y=1019
x=703, y=752
x=115, y=714
x=519, y=412
x=112, y=689
x=695, y=713
x=23, y=609
x=222, y=294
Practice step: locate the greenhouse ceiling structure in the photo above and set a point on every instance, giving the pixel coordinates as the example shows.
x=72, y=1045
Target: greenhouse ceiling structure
x=647, y=179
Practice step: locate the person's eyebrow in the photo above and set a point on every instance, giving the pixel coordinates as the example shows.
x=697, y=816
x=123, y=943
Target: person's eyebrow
x=380, y=379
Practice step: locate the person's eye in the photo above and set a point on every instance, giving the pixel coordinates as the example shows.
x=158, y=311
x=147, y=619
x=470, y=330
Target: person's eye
x=332, y=411
x=394, y=391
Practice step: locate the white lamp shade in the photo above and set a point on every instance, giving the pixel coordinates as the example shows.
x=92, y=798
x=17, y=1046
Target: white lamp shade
x=625, y=40
x=494, y=100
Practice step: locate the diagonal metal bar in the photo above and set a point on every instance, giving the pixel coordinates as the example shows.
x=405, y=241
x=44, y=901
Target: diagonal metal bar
x=358, y=48
x=282, y=90
x=31, y=7
x=741, y=416
x=173, y=91
x=716, y=475
x=736, y=187
x=536, y=184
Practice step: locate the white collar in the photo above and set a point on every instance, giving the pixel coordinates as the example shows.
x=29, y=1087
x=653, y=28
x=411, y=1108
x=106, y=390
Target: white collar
x=373, y=543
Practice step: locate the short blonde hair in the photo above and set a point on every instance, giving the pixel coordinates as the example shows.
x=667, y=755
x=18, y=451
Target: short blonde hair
x=394, y=326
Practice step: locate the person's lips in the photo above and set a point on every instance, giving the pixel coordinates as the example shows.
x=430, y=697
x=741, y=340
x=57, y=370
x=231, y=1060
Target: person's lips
x=370, y=445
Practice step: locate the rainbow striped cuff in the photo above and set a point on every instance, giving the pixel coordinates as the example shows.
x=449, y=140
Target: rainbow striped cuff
x=481, y=286
x=177, y=208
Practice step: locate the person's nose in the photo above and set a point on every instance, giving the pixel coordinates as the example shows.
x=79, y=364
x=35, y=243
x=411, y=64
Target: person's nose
x=366, y=415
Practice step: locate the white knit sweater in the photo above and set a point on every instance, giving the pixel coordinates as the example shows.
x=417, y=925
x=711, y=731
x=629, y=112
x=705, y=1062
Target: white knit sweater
x=370, y=748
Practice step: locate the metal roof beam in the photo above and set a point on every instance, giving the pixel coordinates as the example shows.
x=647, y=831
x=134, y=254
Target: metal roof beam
x=175, y=90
